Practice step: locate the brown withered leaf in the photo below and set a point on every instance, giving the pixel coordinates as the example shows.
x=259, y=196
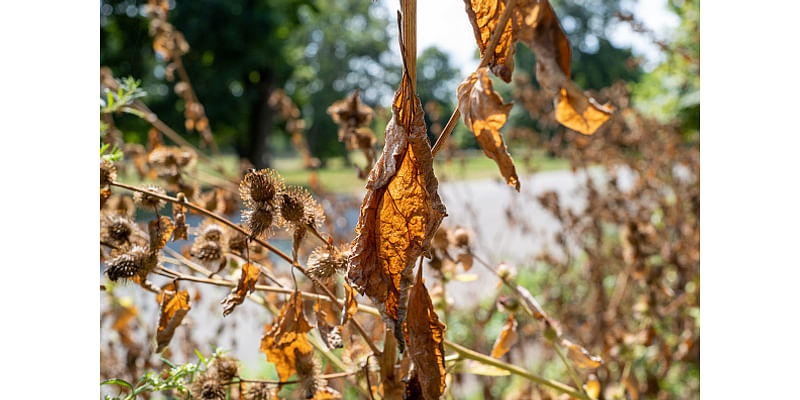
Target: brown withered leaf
x=174, y=306
x=285, y=340
x=400, y=213
x=508, y=337
x=542, y=32
x=350, y=113
x=484, y=16
x=246, y=284
x=580, y=356
x=592, y=387
x=350, y=304
x=425, y=339
x=331, y=334
x=484, y=113
x=160, y=230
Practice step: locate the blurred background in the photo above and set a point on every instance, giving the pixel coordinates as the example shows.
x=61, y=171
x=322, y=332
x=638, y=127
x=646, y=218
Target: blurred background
x=605, y=230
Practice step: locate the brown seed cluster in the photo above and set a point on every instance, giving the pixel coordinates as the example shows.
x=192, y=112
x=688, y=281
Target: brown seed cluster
x=259, y=191
x=324, y=262
x=108, y=173
x=208, y=247
x=137, y=262
x=148, y=201
x=207, y=386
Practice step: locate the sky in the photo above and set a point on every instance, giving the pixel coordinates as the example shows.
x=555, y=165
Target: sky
x=436, y=25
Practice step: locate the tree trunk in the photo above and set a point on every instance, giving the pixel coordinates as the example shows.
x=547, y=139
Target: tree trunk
x=261, y=121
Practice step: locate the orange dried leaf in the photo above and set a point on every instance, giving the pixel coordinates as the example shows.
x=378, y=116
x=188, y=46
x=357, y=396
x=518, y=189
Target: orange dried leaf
x=484, y=16
x=174, y=307
x=508, y=337
x=542, y=32
x=484, y=113
x=160, y=230
x=580, y=356
x=350, y=304
x=400, y=213
x=425, y=338
x=592, y=387
x=579, y=112
x=246, y=284
x=285, y=340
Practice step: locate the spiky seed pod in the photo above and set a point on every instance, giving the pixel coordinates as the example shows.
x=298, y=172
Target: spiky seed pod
x=208, y=252
x=212, y=232
x=258, y=188
x=226, y=368
x=259, y=220
x=324, y=263
x=116, y=229
x=146, y=200
x=298, y=207
x=135, y=262
x=462, y=237
x=120, y=205
x=260, y=391
x=207, y=387
x=308, y=373
x=108, y=172
x=170, y=161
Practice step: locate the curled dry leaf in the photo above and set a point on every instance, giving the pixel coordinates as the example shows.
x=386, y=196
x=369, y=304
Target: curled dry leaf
x=350, y=304
x=508, y=337
x=350, y=114
x=425, y=338
x=484, y=113
x=174, y=306
x=160, y=230
x=104, y=195
x=580, y=356
x=400, y=213
x=541, y=31
x=246, y=284
x=484, y=16
x=285, y=340
x=592, y=387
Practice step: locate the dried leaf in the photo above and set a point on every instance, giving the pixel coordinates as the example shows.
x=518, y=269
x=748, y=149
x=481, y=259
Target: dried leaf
x=160, y=230
x=174, y=306
x=400, y=213
x=508, y=337
x=484, y=16
x=285, y=340
x=425, y=338
x=246, y=284
x=466, y=260
x=542, y=32
x=350, y=114
x=350, y=304
x=580, y=356
x=484, y=113
x=479, y=368
x=592, y=387
x=104, y=195
x=413, y=390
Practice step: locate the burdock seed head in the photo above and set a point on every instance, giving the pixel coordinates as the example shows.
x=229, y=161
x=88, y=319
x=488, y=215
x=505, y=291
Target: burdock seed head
x=108, y=172
x=299, y=208
x=226, y=368
x=127, y=265
x=323, y=262
x=259, y=220
x=146, y=200
x=207, y=387
x=208, y=252
x=258, y=188
x=260, y=391
x=116, y=229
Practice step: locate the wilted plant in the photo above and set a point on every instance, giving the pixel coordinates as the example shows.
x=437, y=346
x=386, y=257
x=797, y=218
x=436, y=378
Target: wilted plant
x=399, y=226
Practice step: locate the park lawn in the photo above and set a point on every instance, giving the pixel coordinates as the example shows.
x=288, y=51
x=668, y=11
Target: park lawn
x=337, y=177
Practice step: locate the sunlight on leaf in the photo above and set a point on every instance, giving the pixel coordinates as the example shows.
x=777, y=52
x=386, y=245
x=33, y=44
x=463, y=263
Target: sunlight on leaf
x=484, y=113
x=174, y=306
x=508, y=337
x=246, y=284
x=160, y=230
x=285, y=340
x=580, y=356
x=425, y=338
x=484, y=16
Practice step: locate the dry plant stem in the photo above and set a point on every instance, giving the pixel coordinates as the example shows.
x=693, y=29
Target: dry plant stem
x=409, y=8
x=326, y=376
x=553, y=344
x=474, y=355
x=493, y=40
x=264, y=243
x=185, y=77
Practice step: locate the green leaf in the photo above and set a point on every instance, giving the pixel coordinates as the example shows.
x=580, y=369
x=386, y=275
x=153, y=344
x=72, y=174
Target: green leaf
x=200, y=356
x=117, y=381
x=168, y=362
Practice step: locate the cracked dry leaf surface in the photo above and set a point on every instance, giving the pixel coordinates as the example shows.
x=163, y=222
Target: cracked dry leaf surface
x=285, y=341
